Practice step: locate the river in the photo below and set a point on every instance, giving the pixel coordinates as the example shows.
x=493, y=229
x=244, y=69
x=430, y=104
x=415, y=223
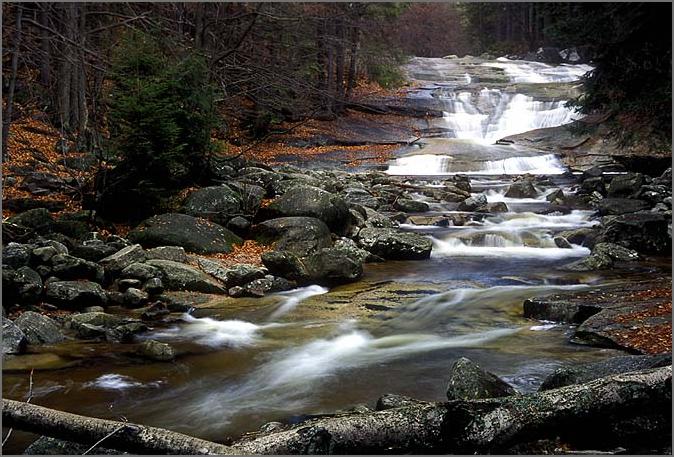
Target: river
x=311, y=351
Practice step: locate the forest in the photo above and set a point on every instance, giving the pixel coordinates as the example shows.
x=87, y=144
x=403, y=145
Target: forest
x=312, y=228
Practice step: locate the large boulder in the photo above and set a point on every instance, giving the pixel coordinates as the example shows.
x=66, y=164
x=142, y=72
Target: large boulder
x=521, y=189
x=194, y=234
x=286, y=264
x=178, y=276
x=22, y=286
x=155, y=350
x=121, y=259
x=473, y=203
x=620, y=206
x=75, y=294
x=467, y=381
x=582, y=373
x=625, y=185
x=216, y=203
x=313, y=202
x=39, y=329
x=644, y=232
x=174, y=253
x=332, y=266
x=362, y=197
x=395, y=245
x=299, y=235
x=13, y=339
x=38, y=219
x=65, y=266
x=93, y=250
x=237, y=275
x=16, y=255
x=408, y=205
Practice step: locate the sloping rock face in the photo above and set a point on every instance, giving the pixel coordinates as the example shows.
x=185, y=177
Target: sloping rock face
x=178, y=276
x=395, y=245
x=194, y=234
x=467, y=381
x=299, y=235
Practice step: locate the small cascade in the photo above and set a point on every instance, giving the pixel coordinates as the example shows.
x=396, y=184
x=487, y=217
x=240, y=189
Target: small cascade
x=520, y=71
x=436, y=164
x=292, y=298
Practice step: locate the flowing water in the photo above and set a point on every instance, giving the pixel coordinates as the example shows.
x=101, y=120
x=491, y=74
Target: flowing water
x=309, y=351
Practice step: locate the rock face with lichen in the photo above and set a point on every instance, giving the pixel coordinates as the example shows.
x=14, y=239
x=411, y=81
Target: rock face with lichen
x=467, y=381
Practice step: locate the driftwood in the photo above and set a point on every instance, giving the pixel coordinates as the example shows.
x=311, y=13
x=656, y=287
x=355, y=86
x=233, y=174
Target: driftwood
x=471, y=426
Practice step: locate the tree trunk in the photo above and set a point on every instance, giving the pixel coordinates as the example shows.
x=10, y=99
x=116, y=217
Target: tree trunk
x=353, y=63
x=45, y=45
x=9, y=110
x=339, y=64
x=465, y=427
x=82, y=108
x=330, y=69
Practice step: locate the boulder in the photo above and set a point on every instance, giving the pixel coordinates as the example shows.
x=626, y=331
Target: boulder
x=241, y=274
x=615, y=252
x=74, y=294
x=644, y=232
x=590, y=263
x=467, y=381
x=178, y=276
x=140, y=271
x=593, y=185
x=266, y=179
x=395, y=245
x=333, y=266
x=285, y=264
x=22, y=286
x=350, y=248
x=473, y=203
x=43, y=255
x=13, y=339
x=239, y=225
x=154, y=350
x=556, y=196
x=173, y=253
x=313, y=202
x=115, y=263
x=38, y=219
x=582, y=373
x=625, y=185
x=250, y=195
x=584, y=236
x=67, y=267
x=216, y=203
x=135, y=298
x=362, y=197
x=194, y=234
x=410, y=206
x=45, y=445
x=16, y=255
x=154, y=286
x=620, y=206
x=375, y=219
x=39, y=329
x=94, y=250
x=299, y=235
x=494, y=207
x=391, y=401
x=521, y=189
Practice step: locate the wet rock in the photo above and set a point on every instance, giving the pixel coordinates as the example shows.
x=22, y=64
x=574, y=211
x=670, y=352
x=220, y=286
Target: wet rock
x=140, y=271
x=241, y=274
x=395, y=245
x=473, y=203
x=467, y=381
x=643, y=232
x=625, y=185
x=521, y=189
x=332, y=266
x=350, y=248
x=153, y=286
x=615, y=252
x=43, y=254
x=125, y=333
x=134, y=298
x=93, y=309
x=239, y=225
x=154, y=312
x=94, y=250
x=495, y=207
x=391, y=401
x=592, y=262
x=75, y=294
x=375, y=219
x=154, y=350
x=45, y=445
x=259, y=287
x=562, y=242
x=237, y=292
x=653, y=194
x=583, y=236
x=311, y=201
x=124, y=284
x=94, y=325
x=38, y=219
x=216, y=203
x=556, y=196
x=620, y=206
x=361, y=197
x=172, y=253
x=16, y=255
x=39, y=329
x=410, y=206
x=67, y=267
x=194, y=234
x=284, y=264
x=593, y=185
x=299, y=235
x=13, y=339
x=178, y=276
x=579, y=374
x=115, y=263
x=22, y=286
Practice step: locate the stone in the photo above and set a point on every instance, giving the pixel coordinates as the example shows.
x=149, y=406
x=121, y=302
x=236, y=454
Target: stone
x=494, y=207
x=592, y=262
x=285, y=264
x=410, y=206
x=155, y=311
x=241, y=274
x=562, y=242
x=194, y=234
x=93, y=309
x=135, y=298
x=349, y=247
x=239, y=225
x=620, y=206
x=375, y=219
x=236, y=292
x=94, y=250
x=333, y=266
x=582, y=373
x=215, y=203
x=259, y=287
x=644, y=232
x=38, y=219
x=555, y=196
x=140, y=271
x=299, y=235
x=395, y=245
x=311, y=201
x=615, y=252
x=43, y=254
x=625, y=185
x=173, y=253
x=391, y=401
x=361, y=197
x=153, y=286
x=74, y=294
x=473, y=203
x=591, y=185
x=178, y=276
x=125, y=333
x=45, y=445
x=155, y=350
x=39, y=329
x=16, y=255
x=467, y=381
x=67, y=267
x=584, y=236
x=115, y=263
x=22, y=286
x=521, y=189
x=13, y=339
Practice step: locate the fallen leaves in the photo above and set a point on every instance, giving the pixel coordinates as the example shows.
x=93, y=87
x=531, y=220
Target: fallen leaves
x=249, y=252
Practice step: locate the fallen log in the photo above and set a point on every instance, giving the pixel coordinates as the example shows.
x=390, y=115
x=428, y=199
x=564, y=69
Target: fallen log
x=466, y=427
x=123, y=436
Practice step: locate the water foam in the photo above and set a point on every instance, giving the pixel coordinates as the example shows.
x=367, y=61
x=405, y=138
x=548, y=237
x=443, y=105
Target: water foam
x=520, y=71
x=292, y=298
x=438, y=165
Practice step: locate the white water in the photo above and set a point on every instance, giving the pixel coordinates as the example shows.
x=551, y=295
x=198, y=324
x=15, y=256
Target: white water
x=292, y=298
x=117, y=382
x=500, y=246
x=520, y=71
x=439, y=165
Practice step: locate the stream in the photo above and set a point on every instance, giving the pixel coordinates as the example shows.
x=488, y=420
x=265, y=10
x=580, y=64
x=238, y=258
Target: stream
x=315, y=351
